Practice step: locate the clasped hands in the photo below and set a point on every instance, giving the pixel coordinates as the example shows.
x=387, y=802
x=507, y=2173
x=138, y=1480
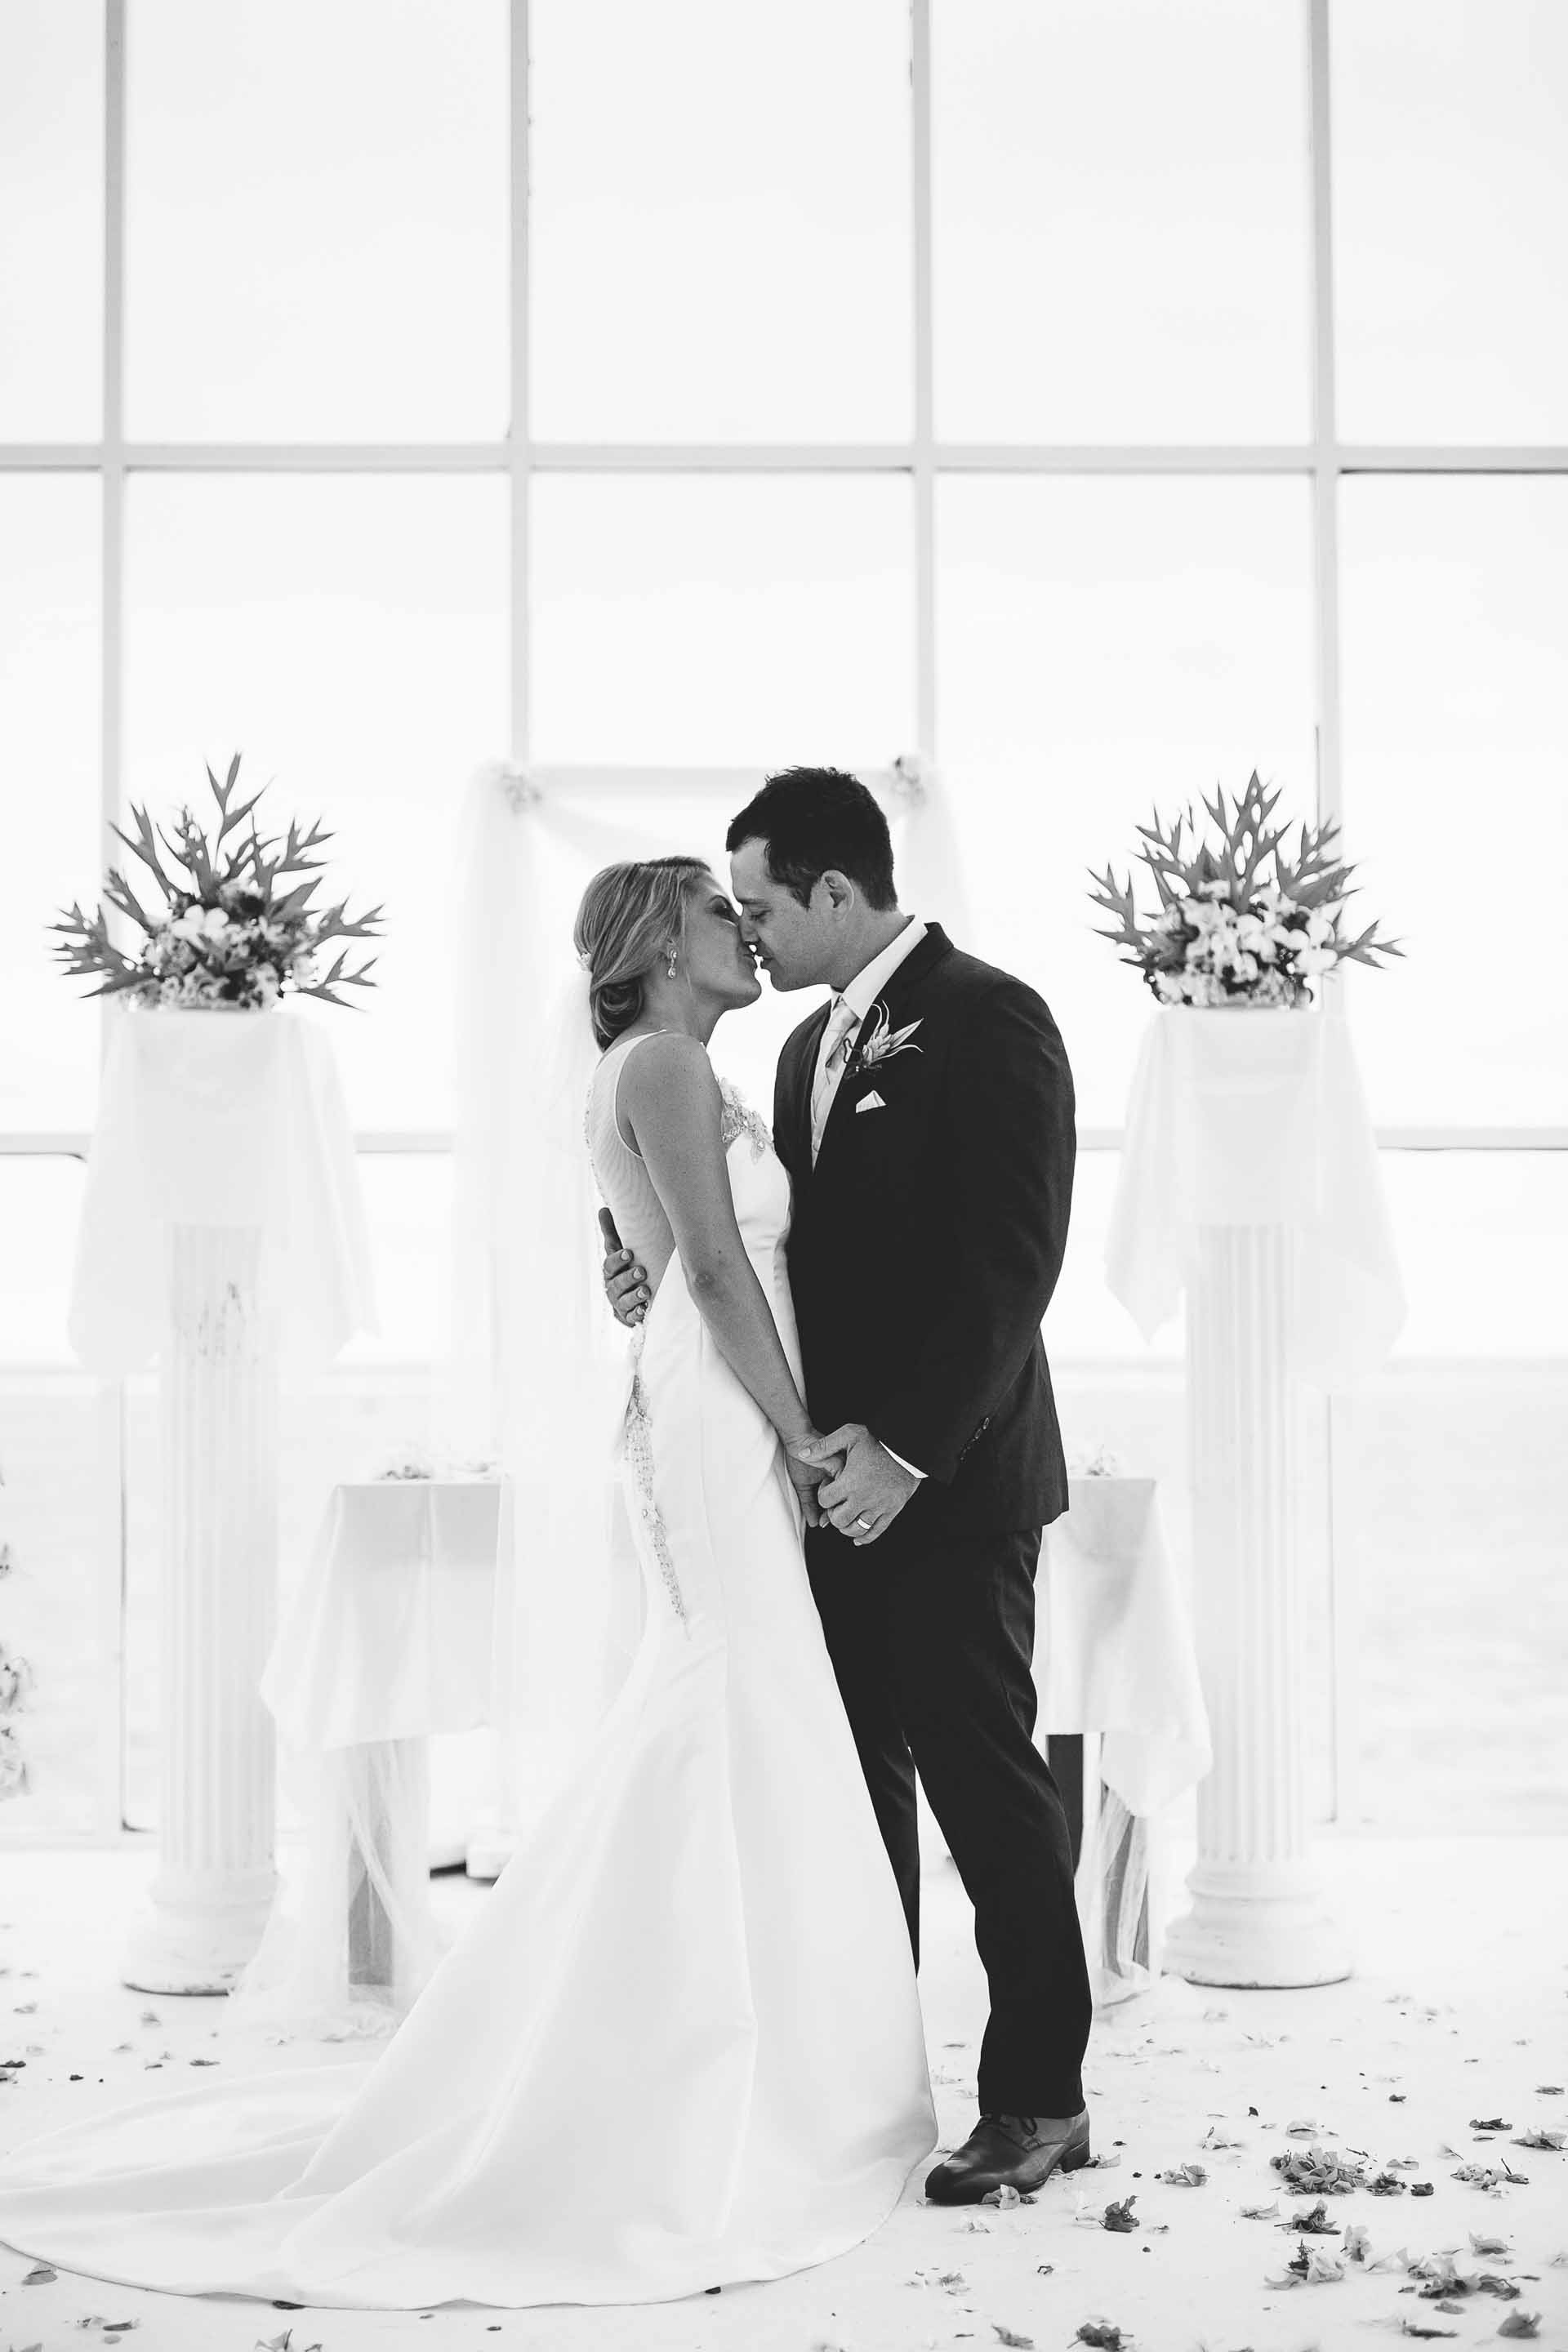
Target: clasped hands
x=844, y=1480
x=863, y=1489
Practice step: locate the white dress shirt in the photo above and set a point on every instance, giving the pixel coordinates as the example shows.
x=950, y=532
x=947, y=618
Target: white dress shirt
x=857, y=996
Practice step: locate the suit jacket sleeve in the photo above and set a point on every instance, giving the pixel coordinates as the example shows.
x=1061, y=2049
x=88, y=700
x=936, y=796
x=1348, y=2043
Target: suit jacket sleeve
x=1010, y=1119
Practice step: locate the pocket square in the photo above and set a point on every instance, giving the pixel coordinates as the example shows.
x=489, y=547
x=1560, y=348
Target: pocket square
x=873, y=1101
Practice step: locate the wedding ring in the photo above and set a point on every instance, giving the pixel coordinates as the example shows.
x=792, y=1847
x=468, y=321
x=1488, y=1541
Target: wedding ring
x=862, y=1523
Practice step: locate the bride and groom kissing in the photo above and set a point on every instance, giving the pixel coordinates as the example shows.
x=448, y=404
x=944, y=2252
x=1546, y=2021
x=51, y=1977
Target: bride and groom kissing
x=924, y=1119
x=678, y=2045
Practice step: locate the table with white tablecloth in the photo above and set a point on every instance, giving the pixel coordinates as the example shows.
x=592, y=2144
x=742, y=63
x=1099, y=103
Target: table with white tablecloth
x=389, y=1643
x=1116, y=1665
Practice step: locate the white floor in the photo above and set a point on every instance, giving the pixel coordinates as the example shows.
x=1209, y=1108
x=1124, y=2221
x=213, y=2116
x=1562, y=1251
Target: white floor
x=1460, y=2010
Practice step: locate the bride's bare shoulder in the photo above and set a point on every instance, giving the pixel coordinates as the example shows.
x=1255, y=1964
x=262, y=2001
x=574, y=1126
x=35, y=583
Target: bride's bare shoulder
x=669, y=1077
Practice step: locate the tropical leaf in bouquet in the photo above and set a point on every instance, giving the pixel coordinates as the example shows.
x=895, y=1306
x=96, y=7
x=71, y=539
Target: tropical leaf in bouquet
x=228, y=815
x=89, y=953
x=1117, y=899
x=295, y=858
x=338, y=976
x=1369, y=944
x=120, y=894
x=292, y=902
x=194, y=856
x=251, y=955
x=145, y=847
x=1251, y=841
x=335, y=922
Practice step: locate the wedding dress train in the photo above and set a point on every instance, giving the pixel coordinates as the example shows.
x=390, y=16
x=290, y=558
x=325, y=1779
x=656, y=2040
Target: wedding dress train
x=679, y=2043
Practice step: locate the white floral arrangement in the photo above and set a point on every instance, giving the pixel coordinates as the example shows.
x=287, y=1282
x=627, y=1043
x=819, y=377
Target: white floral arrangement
x=1241, y=919
x=235, y=929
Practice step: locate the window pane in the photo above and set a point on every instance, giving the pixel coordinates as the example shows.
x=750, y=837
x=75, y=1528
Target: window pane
x=1121, y=239
x=1483, y=1246
x=51, y=220
x=59, y=1518
x=59, y=1511
x=317, y=219
x=347, y=635
x=1462, y=1643
x=41, y=1201
x=50, y=763
x=1106, y=645
x=719, y=232
x=1454, y=628
x=722, y=620
x=408, y=1223
x=1451, y=1497
x=1450, y=169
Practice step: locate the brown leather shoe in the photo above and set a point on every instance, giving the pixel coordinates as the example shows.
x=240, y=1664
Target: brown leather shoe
x=1010, y=2152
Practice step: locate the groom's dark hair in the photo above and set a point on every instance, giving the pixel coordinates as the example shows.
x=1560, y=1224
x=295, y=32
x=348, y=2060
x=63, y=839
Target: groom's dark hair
x=809, y=819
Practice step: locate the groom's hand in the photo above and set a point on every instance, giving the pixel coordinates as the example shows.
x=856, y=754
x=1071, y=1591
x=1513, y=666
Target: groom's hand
x=624, y=1281
x=865, y=1497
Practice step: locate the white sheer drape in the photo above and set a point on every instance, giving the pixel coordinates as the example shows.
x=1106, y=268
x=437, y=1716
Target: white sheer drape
x=537, y=1364
x=352, y=1941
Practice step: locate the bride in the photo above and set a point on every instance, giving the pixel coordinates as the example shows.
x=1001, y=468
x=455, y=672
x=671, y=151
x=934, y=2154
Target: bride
x=679, y=2044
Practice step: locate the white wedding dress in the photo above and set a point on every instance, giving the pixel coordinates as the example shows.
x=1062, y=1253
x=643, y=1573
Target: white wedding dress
x=679, y=2044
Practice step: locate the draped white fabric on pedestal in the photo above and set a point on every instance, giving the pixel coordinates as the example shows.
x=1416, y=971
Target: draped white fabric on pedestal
x=1257, y=1118
x=226, y=1120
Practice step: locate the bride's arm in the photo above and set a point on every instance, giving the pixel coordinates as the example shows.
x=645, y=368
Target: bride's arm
x=670, y=1099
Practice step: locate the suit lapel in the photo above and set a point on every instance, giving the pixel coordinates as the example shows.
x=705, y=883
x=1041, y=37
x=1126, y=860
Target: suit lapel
x=902, y=988
x=798, y=1099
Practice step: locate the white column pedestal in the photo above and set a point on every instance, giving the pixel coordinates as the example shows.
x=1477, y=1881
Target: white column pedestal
x=210, y=1900
x=1257, y=1917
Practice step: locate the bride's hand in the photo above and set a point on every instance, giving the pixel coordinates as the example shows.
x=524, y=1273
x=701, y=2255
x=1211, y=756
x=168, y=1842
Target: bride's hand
x=806, y=1477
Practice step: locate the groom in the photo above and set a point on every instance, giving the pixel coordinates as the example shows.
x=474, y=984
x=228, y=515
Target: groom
x=925, y=1116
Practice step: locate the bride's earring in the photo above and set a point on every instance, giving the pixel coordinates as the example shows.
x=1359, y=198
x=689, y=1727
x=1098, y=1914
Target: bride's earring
x=669, y=967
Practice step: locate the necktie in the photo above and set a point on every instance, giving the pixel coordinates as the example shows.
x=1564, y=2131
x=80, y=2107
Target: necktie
x=837, y=1047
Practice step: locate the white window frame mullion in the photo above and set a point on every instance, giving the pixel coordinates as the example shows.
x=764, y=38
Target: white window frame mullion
x=924, y=476
x=779, y=458
x=1343, y=1601
x=109, y=457
x=109, y=1471
x=1325, y=425
x=519, y=445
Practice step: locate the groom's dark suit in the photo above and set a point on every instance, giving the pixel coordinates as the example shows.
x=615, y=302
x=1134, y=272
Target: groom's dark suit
x=924, y=1247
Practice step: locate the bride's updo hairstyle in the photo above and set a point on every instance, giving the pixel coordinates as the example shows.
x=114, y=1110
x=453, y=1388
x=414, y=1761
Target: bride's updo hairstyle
x=629, y=916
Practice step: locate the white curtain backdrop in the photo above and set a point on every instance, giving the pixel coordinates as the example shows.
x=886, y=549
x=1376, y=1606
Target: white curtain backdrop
x=534, y=1362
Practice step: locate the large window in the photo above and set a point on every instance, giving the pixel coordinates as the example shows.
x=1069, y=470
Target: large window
x=1099, y=398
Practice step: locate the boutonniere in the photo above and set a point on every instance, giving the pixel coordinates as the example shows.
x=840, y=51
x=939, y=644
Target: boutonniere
x=884, y=1041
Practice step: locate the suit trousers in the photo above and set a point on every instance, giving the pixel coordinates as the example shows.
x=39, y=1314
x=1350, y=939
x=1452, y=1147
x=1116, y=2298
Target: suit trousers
x=931, y=1630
